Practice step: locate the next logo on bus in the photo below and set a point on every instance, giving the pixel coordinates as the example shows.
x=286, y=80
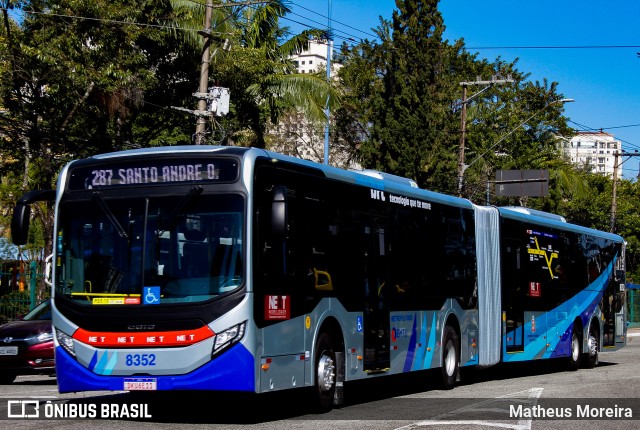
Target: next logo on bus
x=277, y=307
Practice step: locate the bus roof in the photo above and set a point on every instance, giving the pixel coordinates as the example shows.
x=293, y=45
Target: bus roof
x=370, y=178
x=377, y=180
x=172, y=150
x=553, y=221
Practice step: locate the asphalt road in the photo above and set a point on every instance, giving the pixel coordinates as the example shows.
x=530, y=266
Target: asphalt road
x=515, y=396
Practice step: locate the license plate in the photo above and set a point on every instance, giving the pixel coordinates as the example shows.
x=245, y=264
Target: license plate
x=8, y=350
x=140, y=384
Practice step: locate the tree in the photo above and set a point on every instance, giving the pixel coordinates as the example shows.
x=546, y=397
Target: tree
x=410, y=133
x=257, y=69
x=401, y=108
x=73, y=84
x=523, y=130
x=361, y=90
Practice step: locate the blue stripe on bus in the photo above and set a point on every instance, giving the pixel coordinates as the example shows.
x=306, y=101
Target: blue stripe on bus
x=232, y=371
x=431, y=344
x=576, y=307
x=420, y=353
x=411, y=350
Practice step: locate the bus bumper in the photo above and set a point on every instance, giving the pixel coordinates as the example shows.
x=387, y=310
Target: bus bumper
x=232, y=371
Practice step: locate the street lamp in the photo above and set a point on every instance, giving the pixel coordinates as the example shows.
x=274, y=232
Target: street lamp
x=466, y=166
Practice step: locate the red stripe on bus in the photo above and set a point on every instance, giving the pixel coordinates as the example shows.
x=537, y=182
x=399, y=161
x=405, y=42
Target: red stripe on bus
x=143, y=339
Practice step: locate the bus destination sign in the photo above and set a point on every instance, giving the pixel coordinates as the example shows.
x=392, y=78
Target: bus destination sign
x=155, y=171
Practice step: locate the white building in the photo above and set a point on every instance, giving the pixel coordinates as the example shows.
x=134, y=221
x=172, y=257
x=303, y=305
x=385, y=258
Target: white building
x=297, y=136
x=595, y=150
x=315, y=58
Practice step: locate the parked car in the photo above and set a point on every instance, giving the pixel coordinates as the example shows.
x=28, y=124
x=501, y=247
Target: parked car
x=26, y=345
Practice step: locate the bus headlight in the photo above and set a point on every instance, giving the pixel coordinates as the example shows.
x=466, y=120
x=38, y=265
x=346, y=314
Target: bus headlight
x=66, y=342
x=228, y=337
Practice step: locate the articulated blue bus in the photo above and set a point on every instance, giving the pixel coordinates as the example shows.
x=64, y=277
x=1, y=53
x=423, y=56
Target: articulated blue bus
x=239, y=269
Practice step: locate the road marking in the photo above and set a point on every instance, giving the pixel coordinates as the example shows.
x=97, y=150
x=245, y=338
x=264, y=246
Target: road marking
x=20, y=396
x=495, y=405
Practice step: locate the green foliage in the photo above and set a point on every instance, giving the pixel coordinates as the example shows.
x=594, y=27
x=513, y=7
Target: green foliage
x=14, y=305
x=593, y=209
x=410, y=132
x=627, y=224
x=263, y=79
x=80, y=78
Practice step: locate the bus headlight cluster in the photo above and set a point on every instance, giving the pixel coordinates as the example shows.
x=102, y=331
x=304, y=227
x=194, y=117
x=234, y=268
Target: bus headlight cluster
x=65, y=341
x=228, y=337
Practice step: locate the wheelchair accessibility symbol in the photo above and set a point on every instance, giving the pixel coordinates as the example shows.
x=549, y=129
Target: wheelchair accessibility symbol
x=151, y=295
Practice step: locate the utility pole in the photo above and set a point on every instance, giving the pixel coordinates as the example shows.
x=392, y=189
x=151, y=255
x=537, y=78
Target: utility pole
x=463, y=121
x=204, y=74
x=327, y=110
x=614, y=190
x=463, y=130
x=614, y=186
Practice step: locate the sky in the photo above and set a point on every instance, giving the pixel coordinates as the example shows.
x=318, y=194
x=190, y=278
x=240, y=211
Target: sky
x=589, y=47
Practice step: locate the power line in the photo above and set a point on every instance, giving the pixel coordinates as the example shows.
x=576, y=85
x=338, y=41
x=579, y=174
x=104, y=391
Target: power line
x=558, y=47
x=621, y=126
x=333, y=21
x=140, y=24
x=587, y=128
x=345, y=36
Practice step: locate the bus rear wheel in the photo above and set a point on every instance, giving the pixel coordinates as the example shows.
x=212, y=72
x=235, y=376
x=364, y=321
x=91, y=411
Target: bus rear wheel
x=450, y=358
x=591, y=357
x=576, y=351
x=325, y=373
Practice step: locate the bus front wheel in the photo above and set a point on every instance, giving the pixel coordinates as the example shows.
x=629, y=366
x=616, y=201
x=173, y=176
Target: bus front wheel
x=450, y=358
x=325, y=380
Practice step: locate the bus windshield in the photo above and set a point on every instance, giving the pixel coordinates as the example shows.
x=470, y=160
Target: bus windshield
x=149, y=250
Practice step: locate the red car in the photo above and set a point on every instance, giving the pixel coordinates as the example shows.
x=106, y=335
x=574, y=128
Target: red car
x=26, y=345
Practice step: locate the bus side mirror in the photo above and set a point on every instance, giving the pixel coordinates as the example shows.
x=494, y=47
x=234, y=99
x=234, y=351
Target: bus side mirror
x=22, y=214
x=279, y=211
x=20, y=223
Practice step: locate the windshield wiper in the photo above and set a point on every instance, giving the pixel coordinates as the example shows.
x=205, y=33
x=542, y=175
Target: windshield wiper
x=97, y=197
x=172, y=218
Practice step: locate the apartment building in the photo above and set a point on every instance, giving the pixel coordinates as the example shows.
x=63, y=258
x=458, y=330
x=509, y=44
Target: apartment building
x=595, y=150
x=315, y=58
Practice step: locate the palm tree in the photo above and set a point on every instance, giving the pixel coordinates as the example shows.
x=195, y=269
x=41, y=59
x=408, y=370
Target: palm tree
x=256, y=66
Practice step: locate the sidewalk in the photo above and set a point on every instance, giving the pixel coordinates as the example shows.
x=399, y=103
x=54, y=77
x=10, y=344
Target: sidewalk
x=633, y=330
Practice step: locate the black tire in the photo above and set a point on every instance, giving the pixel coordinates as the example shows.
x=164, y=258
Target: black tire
x=450, y=358
x=575, y=353
x=7, y=378
x=591, y=355
x=325, y=373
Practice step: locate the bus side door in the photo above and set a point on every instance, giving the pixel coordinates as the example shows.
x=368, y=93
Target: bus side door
x=376, y=314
